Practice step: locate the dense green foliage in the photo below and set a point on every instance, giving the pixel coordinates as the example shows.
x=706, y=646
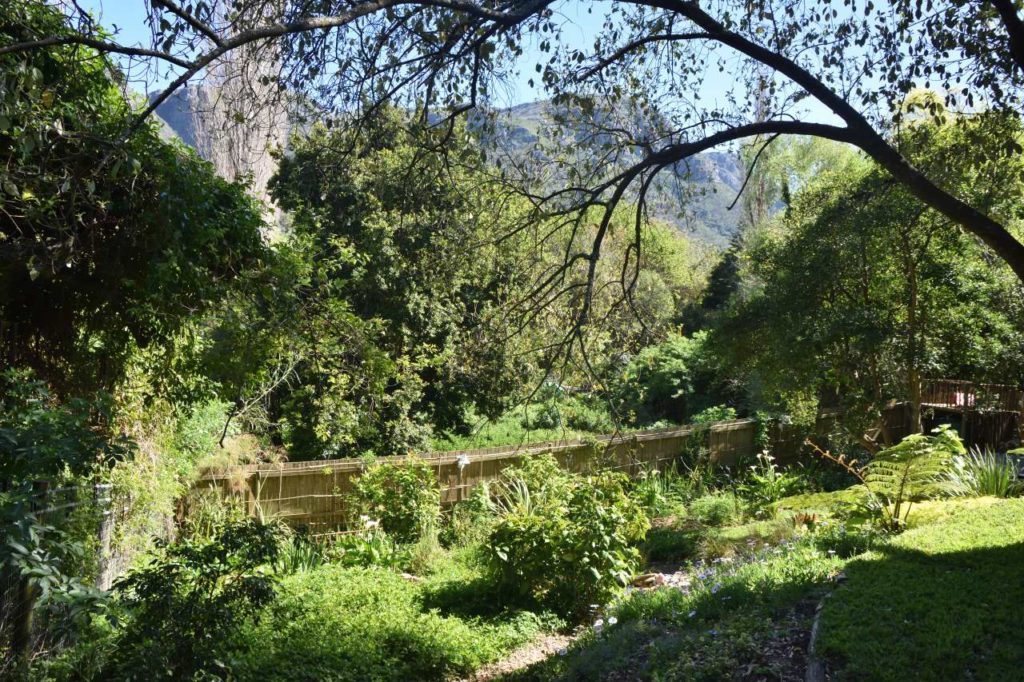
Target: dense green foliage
x=389, y=321
x=403, y=498
x=182, y=609
x=104, y=249
x=860, y=291
x=148, y=327
x=562, y=542
x=672, y=381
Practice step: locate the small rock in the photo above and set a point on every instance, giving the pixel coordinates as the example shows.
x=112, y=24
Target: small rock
x=649, y=580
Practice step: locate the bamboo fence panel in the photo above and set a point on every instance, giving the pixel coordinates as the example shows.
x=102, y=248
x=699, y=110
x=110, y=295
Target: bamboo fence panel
x=313, y=494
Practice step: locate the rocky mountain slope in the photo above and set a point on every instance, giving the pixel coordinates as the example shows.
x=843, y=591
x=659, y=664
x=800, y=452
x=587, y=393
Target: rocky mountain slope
x=694, y=196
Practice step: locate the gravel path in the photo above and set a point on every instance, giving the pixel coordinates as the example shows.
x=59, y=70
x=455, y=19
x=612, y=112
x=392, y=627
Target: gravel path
x=525, y=656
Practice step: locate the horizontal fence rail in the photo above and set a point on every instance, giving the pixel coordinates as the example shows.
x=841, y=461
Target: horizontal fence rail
x=967, y=395
x=313, y=494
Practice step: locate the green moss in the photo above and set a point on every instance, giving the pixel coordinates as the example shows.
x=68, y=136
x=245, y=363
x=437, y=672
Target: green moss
x=940, y=602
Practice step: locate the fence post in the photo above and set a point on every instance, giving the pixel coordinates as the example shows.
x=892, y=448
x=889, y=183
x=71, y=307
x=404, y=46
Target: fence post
x=21, y=636
x=101, y=497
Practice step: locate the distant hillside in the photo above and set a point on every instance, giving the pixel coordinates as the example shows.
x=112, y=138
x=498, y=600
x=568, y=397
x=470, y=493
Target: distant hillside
x=694, y=196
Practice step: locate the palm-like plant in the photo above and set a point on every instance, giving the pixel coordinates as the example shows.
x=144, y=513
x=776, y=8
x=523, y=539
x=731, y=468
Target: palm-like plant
x=913, y=469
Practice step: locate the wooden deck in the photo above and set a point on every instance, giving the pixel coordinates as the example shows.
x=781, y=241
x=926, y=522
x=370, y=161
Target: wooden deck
x=967, y=396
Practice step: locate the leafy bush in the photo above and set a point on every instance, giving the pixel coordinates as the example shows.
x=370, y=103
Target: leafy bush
x=404, y=497
x=359, y=625
x=545, y=415
x=53, y=557
x=716, y=509
x=766, y=483
x=566, y=546
x=982, y=472
x=670, y=381
x=716, y=413
x=42, y=439
x=582, y=416
x=180, y=612
x=469, y=522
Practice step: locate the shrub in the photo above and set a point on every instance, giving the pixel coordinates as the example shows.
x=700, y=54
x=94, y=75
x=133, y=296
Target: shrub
x=581, y=416
x=545, y=415
x=356, y=625
x=565, y=547
x=469, y=522
x=716, y=413
x=404, y=498
x=716, y=509
x=541, y=475
x=982, y=472
x=766, y=484
x=181, y=611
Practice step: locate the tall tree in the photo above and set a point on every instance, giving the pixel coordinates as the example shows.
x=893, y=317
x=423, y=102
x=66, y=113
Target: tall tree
x=98, y=262
x=863, y=291
x=660, y=59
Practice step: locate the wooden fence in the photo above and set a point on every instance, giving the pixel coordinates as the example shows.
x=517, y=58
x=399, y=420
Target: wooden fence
x=313, y=494
x=967, y=395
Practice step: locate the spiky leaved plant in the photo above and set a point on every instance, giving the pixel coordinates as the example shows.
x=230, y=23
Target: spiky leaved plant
x=982, y=472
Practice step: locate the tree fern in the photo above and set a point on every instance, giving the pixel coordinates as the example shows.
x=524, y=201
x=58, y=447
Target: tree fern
x=913, y=469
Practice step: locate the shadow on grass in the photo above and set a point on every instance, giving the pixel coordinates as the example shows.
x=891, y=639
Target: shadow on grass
x=906, y=614
x=474, y=598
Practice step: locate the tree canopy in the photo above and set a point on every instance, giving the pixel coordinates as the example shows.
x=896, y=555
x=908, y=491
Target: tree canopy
x=860, y=290
x=654, y=72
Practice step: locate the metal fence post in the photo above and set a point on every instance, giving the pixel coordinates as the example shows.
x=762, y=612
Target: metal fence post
x=21, y=636
x=101, y=497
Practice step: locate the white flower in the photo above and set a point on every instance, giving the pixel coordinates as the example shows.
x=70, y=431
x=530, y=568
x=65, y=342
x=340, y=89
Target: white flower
x=369, y=523
x=563, y=651
x=598, y=625
x=613, y=620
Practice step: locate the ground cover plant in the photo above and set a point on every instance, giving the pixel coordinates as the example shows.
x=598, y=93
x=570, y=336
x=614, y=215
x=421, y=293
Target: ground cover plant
x=939, y=602
x=335, y=623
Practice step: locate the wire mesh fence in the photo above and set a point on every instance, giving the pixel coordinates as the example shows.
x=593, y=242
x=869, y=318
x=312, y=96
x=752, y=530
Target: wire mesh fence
x=53, y=537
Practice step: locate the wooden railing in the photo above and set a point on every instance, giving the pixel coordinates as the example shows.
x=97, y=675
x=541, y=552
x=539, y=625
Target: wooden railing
x=969, y=396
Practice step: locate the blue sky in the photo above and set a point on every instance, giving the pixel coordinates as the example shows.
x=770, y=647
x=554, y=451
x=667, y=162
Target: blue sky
x=585, y=20
x=582, y=22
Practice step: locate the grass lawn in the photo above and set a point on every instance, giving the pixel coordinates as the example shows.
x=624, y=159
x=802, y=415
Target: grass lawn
x=943, y=601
